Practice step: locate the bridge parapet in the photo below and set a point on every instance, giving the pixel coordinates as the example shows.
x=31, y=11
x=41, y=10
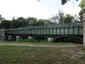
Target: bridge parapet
x=50, y=29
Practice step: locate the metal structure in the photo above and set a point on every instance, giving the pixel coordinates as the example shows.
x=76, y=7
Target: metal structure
x=48, y=30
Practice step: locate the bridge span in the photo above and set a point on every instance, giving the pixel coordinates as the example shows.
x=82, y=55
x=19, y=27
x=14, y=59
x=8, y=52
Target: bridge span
x=57, y=32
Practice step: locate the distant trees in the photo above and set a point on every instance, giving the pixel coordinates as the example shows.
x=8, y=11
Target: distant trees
x=81, y=5
x=64, y=18
x=22, y=22
x=31, y=21
x=43, y=21
x=68, y=18
x=58, y=17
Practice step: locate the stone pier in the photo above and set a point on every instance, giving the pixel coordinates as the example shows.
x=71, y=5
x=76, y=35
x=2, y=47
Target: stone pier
x=29, y=37
x=50, y=39
x=17, y=38
x=9, y=37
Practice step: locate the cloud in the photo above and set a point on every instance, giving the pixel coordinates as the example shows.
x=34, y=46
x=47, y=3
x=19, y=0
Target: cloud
x=70, y=8
x=42, y=9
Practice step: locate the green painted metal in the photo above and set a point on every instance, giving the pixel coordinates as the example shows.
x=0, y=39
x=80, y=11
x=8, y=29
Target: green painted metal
x=49, y=29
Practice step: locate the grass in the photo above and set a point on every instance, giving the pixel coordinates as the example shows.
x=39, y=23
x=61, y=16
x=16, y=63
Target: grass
x=33, y=41
x=42, y=43
x=42, y=55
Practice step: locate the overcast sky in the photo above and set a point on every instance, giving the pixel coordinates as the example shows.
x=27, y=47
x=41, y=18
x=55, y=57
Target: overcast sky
x=43, y=9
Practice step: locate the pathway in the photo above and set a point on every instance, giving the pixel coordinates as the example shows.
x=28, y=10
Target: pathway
x=35, y=45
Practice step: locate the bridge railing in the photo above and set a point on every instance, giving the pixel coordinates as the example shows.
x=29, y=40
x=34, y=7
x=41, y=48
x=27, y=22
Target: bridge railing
x=49, y=29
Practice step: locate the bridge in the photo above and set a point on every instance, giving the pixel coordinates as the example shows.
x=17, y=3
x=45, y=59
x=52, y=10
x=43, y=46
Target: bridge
x=58, y=32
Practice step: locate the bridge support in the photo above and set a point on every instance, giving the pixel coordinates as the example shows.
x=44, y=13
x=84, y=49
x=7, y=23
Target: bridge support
x=50, y=39
x=29, y=37
x=17, y=38
x=9, y=37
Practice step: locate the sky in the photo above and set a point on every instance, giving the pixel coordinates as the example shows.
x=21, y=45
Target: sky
x=33, y=8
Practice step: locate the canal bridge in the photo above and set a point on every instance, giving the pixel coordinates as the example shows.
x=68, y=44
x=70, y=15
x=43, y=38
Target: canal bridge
x=57, y=32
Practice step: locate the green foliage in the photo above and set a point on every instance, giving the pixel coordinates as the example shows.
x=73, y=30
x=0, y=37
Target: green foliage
x=68, y=18
x=30, y=21
x=82, y=4
x=43, y=21
x=81, y=13
x=62, y=18
x=6, y=24
x=22, y=22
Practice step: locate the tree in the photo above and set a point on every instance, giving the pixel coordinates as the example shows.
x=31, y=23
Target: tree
x=54, y=18
x=1, y=18
x=43, y=21
x=62, y=18
x=82, y=4
x=31, y=20
x=58, y=18
x=6, y=24
x=81, y=13
x=64, y=1
x=17, y=22
x=22, y=22
x=67, y=19
x=76, y=18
